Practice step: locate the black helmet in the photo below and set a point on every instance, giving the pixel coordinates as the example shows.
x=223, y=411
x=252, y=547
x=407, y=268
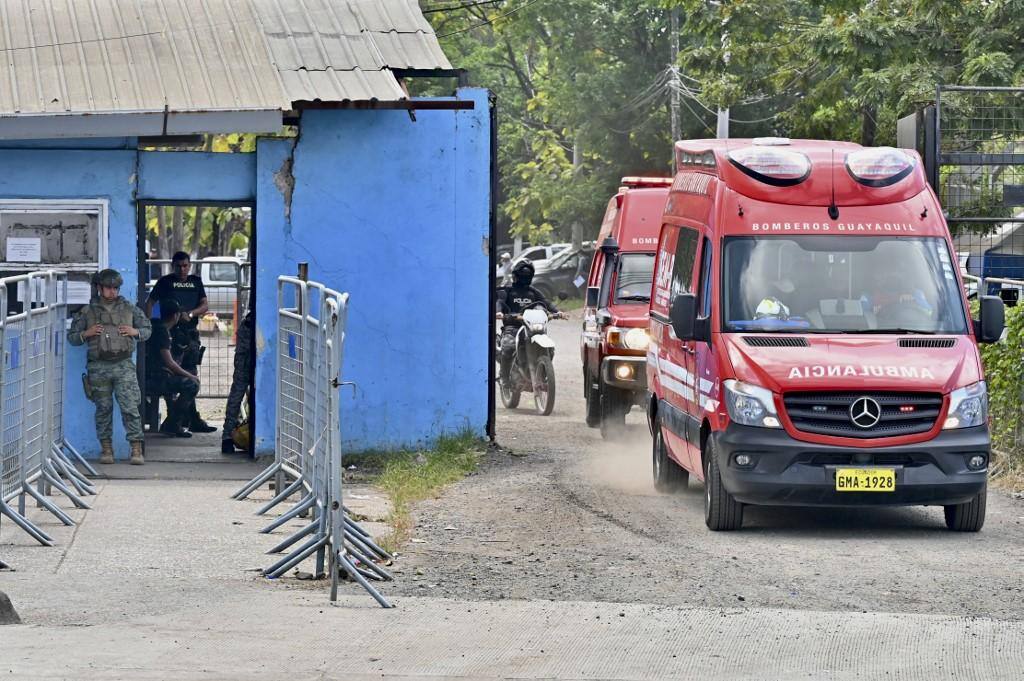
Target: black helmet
x=108, y=277
x=522, y=273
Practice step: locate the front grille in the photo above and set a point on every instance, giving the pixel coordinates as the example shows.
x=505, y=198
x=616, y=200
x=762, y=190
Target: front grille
x=776, y=341
x=828, y=413
x=927, y=342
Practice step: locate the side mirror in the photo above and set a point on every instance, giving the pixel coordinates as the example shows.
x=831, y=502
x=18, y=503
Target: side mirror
x=683, y=315
x=593, y=294
x=992, y=319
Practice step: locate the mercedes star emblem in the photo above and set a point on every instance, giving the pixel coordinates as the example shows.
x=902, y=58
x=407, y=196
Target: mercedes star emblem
x=865, y=412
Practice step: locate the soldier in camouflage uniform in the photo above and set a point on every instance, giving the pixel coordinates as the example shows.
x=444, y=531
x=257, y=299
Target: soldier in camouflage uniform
x=240, y=381
x=111, y=326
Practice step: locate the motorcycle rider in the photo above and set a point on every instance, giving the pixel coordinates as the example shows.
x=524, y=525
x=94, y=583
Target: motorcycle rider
x=513, y=300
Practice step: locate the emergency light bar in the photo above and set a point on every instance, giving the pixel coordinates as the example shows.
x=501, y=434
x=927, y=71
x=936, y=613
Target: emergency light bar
x=879, y=166
x=635, y=181
x=772, y=165
x=701, y=159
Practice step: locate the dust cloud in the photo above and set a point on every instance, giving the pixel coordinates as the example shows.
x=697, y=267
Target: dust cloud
x=623, y=464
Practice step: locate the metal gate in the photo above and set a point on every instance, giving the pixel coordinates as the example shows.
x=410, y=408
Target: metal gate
x=227, y=285
x=972, y=141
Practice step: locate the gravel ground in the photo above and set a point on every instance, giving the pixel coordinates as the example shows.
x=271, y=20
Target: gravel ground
x=556, y=513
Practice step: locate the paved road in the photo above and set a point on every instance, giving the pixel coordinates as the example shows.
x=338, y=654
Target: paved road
x=577, y=519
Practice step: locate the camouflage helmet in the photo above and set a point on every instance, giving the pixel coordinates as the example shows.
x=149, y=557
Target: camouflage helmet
x=108, y=277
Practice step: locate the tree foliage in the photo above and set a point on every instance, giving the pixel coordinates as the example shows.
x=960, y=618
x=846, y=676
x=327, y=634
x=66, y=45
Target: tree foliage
x=583, y=86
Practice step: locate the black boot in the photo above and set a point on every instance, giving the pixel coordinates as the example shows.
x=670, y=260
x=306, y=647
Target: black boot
x=227, y=447
x=198, y=425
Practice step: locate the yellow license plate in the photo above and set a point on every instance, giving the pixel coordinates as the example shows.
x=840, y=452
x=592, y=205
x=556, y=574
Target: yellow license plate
x=865, y=480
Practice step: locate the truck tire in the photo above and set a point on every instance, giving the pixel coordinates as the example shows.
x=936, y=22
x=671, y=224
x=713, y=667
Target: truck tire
x=613, y=414
x=593, y=397
x=668, y=475
x=969, y=517
x=721, y=511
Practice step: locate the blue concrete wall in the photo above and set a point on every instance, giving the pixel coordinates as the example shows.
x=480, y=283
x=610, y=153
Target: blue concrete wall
x=396, y=213
x=52, y=174
x=196, y=176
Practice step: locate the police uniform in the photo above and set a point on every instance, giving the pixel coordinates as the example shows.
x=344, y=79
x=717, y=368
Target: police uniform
x=513, y=300
x=160, y=381
x=185, y=341
x=110, y=369
x=240, y=380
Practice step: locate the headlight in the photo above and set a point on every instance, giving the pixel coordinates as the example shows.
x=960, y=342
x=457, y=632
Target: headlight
x=536, y=328
x=968, y=407
x=628, y=339
x=750, y=405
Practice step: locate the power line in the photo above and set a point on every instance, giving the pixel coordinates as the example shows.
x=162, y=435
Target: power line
x=490, y=21
x=80, y=42
x=447, y=8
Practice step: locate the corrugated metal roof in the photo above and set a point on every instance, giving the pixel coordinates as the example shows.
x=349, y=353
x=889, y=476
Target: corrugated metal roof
x=125, y=56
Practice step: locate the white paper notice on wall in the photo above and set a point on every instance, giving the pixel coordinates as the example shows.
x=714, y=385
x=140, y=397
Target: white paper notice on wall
x=38, y=290
x=24, y=249
x=79, y=292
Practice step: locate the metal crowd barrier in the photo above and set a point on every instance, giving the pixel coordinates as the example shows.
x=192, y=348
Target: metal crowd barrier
x=310, y=345
x=35, y=458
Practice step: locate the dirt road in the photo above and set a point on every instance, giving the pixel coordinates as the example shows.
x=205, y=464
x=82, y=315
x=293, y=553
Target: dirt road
x=561, y=515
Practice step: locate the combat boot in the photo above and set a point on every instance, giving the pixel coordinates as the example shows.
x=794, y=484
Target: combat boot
x=137, y=458
x=106, y=452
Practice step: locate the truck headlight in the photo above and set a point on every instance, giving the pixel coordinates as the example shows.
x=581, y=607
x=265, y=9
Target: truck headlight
x=628, y=339
x=750, y=405
x=968, y=407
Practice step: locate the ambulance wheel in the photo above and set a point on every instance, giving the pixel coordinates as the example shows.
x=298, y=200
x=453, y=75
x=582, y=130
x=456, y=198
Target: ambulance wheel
x=969, y=517
x=668, y=475
x=721, y=511
x=613, y=414
x=592, y=394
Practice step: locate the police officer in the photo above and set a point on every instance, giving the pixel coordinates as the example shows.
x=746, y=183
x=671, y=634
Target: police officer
x=190, y=293
x=164, y=376
x=240, y=382
x=111, y=327
x=513, y=300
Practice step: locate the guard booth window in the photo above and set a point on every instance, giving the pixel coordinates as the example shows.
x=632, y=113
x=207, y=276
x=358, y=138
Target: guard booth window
x=44, y=234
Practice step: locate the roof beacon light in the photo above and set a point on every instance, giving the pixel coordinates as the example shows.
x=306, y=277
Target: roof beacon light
x=771, y=141
x=772, y=165
x=879, y=166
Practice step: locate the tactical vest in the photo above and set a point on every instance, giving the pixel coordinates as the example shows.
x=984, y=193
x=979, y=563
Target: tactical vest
x=110, y=346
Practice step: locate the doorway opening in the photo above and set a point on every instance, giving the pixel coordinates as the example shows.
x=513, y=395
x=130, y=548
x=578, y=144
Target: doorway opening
x=219, y=238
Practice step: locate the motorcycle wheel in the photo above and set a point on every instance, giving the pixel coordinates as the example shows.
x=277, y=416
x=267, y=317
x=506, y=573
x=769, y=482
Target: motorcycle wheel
x=544, y=386
x=509, y=396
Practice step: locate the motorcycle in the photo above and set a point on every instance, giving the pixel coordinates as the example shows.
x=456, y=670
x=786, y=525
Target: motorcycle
x=532, y=369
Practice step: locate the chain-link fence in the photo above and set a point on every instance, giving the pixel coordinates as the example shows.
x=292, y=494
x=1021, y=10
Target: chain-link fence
x=979, y=139
x=310, y=344
x=35, y=458
x=227, y=283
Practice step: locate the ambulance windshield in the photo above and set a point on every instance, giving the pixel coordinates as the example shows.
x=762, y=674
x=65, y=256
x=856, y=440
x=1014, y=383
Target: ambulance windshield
x=636, y=273
x=840, y=284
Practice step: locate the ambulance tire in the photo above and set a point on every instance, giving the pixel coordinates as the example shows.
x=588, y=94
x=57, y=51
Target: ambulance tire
x=613, y=414
x=721, y=511
x=592, y=394
x=969, y=517
x=668, y=475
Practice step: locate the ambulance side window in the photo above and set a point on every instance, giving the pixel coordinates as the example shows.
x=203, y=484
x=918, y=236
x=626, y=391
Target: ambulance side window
x=686, y=255
x=705, y=280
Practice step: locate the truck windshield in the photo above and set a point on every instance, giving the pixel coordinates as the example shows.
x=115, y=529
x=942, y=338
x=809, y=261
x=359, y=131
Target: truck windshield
x=636, y=274
x=840, y=284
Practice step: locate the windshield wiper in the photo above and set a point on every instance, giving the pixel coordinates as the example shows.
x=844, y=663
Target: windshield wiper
x=642, y=299
x=896, y=330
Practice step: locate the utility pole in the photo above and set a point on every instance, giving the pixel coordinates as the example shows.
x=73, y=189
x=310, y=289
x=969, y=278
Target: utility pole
x=722, y=131
x=577, y=161
x=674, y=69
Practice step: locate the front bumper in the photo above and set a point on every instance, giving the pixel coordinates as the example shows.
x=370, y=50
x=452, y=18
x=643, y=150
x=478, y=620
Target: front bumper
x=636, y=381
x=794, y=473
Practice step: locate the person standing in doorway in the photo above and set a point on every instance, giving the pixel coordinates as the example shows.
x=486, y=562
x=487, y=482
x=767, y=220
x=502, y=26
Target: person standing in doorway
x=188, y=290
x=111, y=327
x=240, y=382
x=165, y=377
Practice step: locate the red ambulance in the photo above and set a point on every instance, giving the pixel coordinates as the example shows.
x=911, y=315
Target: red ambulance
x=613, y=344
x=810, y=341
